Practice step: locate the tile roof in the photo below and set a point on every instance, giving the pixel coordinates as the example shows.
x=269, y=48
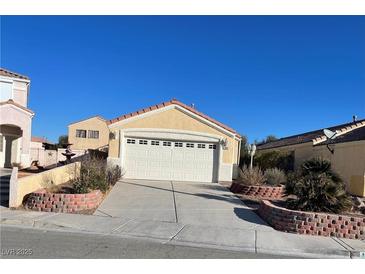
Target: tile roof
x=8, y=73
x=165, y=104
x=357, y=134
x=11, y=102
x=312, y=135
x=39, y=139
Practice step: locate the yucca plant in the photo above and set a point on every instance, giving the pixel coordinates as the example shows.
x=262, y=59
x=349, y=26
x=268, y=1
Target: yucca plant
x=317, y=188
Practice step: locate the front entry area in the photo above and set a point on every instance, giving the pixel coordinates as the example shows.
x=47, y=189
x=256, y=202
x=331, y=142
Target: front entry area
x=10, y=145
x=173, y=160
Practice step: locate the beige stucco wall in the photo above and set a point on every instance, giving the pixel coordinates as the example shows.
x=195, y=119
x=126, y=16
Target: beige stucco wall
x=93, y=123
x=25, y=185
x=348, y=160
x=177, y=120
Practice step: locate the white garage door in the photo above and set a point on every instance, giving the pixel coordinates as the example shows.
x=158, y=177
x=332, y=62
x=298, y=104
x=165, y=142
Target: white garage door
x=170, y=160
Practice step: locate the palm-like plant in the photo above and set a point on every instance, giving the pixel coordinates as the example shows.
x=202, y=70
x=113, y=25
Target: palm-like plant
x=318, y=188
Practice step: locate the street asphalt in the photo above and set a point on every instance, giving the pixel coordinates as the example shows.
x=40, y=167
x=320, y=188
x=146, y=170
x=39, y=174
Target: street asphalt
x=28, y=243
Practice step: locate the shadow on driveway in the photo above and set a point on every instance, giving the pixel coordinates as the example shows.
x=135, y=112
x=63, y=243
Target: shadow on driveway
x=222, y=197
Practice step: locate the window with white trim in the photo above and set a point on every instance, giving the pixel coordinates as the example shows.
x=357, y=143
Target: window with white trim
x=201, y=145
x=93, y=134
x=143, y=142
x=131, y=141
x=166, y=144
x=178, y=144
x=212, y=146
x=6, y=91
x=155, y=143
x=80, y=133
x=189, y=145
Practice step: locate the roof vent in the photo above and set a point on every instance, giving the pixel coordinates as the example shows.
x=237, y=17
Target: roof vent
x=192, y=105
x=354, y=118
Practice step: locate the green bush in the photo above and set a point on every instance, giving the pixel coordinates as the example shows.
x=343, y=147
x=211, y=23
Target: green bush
x=274, y=176
x=275, y=159
x=317, y=188
x=253, y=176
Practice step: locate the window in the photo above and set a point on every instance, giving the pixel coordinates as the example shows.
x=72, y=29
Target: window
x=178, y=144
x=212, y=146
x=131, y=141
x=6, y=91
x=189, y=145
x=155, y=143
x=201, y=145
x=143, y=142
x=93, y=134
x=80, y=133
x=166, y=144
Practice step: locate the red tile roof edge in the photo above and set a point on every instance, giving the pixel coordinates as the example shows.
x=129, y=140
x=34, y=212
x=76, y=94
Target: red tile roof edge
x=165, y=104
x=39, y=139
x=8, y=73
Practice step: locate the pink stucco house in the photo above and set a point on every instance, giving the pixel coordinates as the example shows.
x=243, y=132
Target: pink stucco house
x=15, y=119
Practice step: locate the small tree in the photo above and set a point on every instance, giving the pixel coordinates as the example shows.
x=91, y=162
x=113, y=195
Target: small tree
x=62, y=141
x=317, y=188
x=269, y=138
x=275, y=159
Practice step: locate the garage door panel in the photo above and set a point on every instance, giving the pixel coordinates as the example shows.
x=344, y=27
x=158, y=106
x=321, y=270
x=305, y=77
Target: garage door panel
x=168, y=160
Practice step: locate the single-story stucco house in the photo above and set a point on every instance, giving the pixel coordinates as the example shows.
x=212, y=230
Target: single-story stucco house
x=168, y=141
x=15, y=119
x=346, y=152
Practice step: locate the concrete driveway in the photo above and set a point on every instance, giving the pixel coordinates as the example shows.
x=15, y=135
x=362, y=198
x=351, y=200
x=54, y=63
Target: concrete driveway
x=187, y=203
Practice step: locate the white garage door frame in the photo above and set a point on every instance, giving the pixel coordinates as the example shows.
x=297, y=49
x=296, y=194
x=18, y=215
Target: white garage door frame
x=175, y=135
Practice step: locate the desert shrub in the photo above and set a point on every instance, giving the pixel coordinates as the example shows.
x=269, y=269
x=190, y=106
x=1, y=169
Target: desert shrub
x=94, y=174
x=274, y=176
x=114, y=173
x=80, y=187
x=253, y=176
x=317, y=188
x=275, y=159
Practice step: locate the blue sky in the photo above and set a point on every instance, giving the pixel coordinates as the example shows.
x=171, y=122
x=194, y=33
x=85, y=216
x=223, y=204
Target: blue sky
x=261, y=75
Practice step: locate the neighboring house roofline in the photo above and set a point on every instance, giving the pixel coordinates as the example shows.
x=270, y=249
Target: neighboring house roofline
x=316, y=137
x=95, y=116
x=11, y=102
x=37, y=139
x=169, y=103
x=7, y=73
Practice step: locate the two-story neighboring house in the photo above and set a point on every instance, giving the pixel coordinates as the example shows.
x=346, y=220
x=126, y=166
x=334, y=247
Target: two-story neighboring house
x=15, y=119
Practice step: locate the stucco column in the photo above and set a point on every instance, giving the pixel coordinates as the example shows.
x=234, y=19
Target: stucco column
x=25, y=148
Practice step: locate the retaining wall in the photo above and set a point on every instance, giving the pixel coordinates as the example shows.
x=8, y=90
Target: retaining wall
x=68, y=203
x=20, y=187
x=312, y=223
x=262, y=192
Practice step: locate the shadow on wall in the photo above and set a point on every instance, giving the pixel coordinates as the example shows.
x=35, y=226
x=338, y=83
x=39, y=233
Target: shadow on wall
x=249, y=216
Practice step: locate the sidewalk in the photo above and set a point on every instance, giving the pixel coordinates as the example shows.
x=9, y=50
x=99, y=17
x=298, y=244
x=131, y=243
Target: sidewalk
x=256, y=241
